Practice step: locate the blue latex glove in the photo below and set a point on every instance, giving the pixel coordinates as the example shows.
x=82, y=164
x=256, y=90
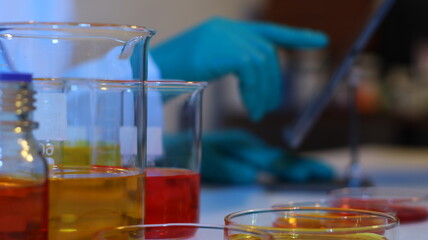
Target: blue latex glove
x=238, y=157
x=234, y=157
x=221, y=46
x=300, y=169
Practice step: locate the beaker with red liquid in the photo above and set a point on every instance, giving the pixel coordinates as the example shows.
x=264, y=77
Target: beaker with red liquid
x=173, y=151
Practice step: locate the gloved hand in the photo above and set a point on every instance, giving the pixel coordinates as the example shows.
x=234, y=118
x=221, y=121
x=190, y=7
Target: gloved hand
x=238, y=157
x=221, y=46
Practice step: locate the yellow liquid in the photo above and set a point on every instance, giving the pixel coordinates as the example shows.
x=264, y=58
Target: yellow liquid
x=352, y=236
x=81, y=155
x=85, y=200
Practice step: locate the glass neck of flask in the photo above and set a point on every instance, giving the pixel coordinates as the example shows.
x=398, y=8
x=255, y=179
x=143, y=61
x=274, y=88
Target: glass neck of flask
x=16, y=106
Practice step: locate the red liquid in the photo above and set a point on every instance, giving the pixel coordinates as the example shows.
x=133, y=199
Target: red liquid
x=23, y=210
x=406, y=213
x=172, y=196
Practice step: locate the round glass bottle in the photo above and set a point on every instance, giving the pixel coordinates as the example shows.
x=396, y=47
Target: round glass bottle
x=23, y=171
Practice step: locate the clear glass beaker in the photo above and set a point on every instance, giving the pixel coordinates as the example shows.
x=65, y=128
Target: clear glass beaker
x=89, y=80
x=173, y=151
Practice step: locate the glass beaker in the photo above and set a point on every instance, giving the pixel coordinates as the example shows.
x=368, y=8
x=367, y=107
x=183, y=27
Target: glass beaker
x=173, y=151
x=89, y=80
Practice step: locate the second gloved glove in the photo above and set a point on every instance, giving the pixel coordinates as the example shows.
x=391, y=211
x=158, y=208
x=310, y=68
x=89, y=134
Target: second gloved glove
x=238, y=157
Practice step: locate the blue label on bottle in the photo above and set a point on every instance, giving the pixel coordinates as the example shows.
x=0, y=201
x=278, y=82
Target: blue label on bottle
x=13, y=76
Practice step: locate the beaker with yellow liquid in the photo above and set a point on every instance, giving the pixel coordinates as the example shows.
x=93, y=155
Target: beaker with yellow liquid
x=90, y=106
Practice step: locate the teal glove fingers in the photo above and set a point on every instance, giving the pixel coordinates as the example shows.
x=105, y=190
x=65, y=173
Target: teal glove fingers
x=298, y=169
x=261, y=158
x=221, y=46
x=225, y=170
x=289, y=36
x=220, y=164
x=252, y=93
x=234, y=157
x=237, y=157
x=318, y=170
x=232, y=138
x=242, y=146
x=260, y=75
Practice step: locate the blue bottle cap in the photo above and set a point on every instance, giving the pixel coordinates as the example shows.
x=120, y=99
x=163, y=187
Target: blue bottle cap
x=13, y=76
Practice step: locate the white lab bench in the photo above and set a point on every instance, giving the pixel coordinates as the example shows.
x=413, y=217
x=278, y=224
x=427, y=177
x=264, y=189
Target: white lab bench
x=383, y=165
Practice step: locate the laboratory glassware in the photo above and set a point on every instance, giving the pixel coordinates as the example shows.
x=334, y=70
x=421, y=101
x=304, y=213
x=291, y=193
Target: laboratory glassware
x=339, y=203
x=317, y=223
x=90, y=105
x=410, y=205
x=23, y=170
x=176, y=230
x=173, y=151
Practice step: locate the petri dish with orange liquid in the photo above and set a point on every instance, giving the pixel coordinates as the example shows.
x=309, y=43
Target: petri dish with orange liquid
x=318, y=223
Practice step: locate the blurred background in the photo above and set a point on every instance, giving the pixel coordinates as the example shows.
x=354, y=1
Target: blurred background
x=392, y=97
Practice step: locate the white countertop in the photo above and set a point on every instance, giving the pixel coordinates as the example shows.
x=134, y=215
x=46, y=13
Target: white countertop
x=384, y=166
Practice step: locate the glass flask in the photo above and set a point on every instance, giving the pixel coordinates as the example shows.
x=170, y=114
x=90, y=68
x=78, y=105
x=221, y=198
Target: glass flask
x=90, y=106
x=23, y=170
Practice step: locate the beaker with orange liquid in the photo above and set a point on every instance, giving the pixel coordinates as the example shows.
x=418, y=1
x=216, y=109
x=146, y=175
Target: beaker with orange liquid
x=90, y=103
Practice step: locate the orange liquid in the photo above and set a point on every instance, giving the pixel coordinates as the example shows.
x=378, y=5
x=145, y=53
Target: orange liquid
x=85, y=200
x=23, y=210
x=352, y=236
x=331, y=221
